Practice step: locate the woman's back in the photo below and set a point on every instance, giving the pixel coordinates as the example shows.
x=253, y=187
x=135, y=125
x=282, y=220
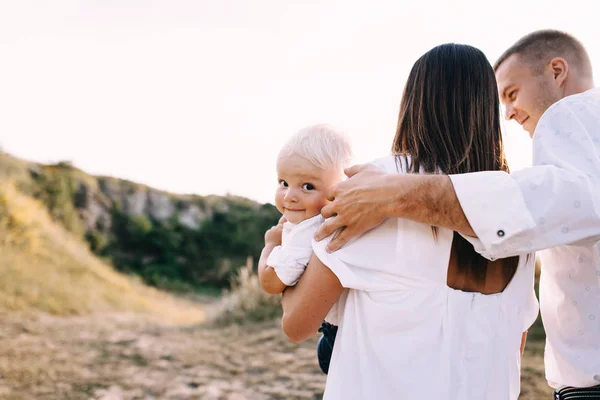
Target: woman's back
x=405, y=334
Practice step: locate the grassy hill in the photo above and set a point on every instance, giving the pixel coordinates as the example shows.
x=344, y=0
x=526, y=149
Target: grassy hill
x=47, y=262
x=45, y=267
x=175, y=242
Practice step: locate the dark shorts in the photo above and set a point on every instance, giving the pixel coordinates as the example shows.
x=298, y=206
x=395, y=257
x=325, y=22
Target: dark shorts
x=325, y=345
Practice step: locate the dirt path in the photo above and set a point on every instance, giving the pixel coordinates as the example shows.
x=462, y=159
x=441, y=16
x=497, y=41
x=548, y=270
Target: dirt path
x=118, y=357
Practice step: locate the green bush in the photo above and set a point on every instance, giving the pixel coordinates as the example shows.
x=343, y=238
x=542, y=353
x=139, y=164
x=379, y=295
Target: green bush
x=98, y=241
x=168, y=254
x=57, y=190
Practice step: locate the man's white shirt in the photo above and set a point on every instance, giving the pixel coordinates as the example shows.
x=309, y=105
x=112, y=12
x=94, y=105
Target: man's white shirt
x=553, y=205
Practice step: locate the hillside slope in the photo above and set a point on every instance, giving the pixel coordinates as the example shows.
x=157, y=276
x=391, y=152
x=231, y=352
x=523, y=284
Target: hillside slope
x=45, y=267
x=170, y=241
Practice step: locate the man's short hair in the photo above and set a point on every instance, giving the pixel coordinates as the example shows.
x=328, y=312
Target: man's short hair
x=539, y=47
x=322, y=145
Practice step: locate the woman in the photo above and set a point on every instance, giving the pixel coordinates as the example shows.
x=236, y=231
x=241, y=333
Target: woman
x=418, y=320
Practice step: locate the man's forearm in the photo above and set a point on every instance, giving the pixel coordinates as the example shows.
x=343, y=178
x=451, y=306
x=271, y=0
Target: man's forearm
x=429, y=199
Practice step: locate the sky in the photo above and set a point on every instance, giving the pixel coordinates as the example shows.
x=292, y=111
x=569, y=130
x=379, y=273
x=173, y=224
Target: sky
x=198, y=96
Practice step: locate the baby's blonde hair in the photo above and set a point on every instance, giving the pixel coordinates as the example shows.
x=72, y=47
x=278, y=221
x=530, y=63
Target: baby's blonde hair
x=323, y=145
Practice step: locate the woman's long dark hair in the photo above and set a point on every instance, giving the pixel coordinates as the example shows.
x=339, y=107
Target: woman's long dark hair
x=449, y=123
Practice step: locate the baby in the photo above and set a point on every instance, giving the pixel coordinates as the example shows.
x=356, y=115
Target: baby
x=308, y=165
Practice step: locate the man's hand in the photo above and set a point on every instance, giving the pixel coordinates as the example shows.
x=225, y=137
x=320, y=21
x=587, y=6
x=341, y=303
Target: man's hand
x=369, y=196
x=273, y=235
x=357, y=205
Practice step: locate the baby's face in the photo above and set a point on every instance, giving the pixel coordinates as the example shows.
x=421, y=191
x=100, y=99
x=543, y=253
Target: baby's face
x=302, y=187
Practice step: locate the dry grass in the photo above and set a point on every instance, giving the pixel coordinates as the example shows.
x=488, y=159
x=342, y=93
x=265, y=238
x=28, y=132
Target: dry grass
x=46, y=268
x=246, y=302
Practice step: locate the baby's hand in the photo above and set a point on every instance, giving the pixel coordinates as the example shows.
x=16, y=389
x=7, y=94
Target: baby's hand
x=273, y=235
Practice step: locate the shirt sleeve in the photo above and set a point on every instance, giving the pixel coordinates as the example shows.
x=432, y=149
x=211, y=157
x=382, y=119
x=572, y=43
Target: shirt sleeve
x=368, y=263
x=290, y=259
x=289, y=263
x=555, y=202
x=343, y=270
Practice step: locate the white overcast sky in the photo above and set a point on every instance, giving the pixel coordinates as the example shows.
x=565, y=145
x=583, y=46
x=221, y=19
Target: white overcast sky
x=198, y=96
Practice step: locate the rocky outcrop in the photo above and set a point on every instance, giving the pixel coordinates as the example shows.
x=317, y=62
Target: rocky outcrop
x=95, y=201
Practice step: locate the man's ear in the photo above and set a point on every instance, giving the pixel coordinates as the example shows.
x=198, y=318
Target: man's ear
x=560, y=70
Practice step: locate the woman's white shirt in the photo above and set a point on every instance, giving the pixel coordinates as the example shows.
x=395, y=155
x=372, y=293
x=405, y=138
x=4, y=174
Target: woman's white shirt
x=405, y=334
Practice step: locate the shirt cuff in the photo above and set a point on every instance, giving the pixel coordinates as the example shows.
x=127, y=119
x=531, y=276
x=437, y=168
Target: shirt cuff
x=494, y=206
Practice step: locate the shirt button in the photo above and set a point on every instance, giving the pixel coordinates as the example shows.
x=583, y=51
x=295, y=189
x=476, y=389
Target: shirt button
x=500, y=233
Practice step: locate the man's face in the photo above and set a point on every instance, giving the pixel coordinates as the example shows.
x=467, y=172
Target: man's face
x=525, y=94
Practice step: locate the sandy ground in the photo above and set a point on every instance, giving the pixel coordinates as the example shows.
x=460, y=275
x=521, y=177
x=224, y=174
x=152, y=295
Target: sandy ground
x=114, y=357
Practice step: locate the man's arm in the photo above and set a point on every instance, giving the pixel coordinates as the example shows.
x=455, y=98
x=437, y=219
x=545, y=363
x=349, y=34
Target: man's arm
x=370, y=196
x=430, y=199
x=555, y=202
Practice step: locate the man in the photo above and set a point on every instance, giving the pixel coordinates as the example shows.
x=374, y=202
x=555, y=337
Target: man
x=545, y=82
